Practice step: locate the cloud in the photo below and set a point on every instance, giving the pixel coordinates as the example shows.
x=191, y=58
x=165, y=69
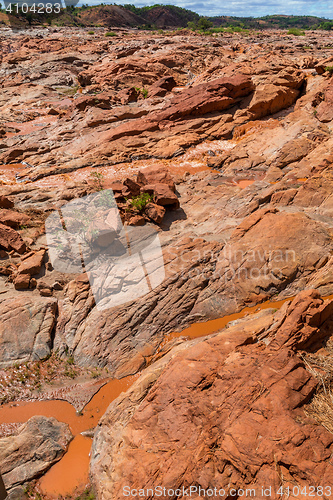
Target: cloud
x=243, y=8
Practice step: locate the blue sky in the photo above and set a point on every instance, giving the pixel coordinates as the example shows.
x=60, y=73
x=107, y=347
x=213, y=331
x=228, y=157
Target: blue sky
x=320, y=8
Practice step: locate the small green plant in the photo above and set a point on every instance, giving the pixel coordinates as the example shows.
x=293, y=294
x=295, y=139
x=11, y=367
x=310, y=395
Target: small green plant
x=69, y=372
x=139, y=202
x=315, y=112
x=110, y=33
x=329, y=69
x=91, y=32
x=98, y=179
x=86, y=495
x=143, y=92
x=70, y=360
x=296, y=32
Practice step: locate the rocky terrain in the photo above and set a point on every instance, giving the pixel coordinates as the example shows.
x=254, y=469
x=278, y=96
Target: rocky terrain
x=220, y=145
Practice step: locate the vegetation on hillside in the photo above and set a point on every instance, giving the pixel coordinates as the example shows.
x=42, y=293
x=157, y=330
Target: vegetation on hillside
x=162, y=16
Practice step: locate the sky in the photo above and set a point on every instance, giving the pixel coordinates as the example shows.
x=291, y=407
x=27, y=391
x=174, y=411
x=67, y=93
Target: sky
x=253, y=8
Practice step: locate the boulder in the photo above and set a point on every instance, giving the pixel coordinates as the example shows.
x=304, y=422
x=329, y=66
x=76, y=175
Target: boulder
x=137, y=220
x=13, y=219
x=132, y=186
x=155, y=175
x=116, y=186
x=162, y=194
x=40, y=442
x=289, y=77
x=155, y=212
x=101, y=233
x=22, y=281
x=33, y=264
x=11, y=239
x=269, y=99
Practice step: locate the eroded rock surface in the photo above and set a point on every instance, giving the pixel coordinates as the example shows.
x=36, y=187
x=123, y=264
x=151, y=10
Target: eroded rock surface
x=226, y=412
x=26, y=325
x=227, y=138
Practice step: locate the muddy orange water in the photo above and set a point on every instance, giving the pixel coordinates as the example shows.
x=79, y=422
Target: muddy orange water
x=71, y=473
x=201, y=329
x=245, y=183
x=64, y=411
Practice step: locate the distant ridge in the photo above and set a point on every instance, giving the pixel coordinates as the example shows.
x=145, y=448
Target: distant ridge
x=158, y=16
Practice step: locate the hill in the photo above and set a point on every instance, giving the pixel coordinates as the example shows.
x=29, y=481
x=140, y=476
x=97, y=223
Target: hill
x=269, y=22
x=159, y=16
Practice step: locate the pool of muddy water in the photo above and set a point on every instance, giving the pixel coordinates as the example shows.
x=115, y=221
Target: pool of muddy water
x=71, y=472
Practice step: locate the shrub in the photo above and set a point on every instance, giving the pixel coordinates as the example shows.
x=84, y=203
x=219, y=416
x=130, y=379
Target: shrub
x=110, y=33
x=91, y=32
x=139, y=202
x=329, y=69
x=296, y=32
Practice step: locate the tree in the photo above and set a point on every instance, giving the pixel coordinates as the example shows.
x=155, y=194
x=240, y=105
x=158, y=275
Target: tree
x=204, y=24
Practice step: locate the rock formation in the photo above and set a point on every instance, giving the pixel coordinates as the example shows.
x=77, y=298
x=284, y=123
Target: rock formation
x=223, y=413
x=39, y=443
x=220, y=144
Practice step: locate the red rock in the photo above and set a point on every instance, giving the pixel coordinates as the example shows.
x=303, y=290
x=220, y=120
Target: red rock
x=216, y=95
x=155, y=175
x=289, y=77
x=155, y=212
x=6, y=270
x=133, y=186
x=5, y=202
x=325, y=108
x=136, y=220
x=224, y=412
x=321, y=65
x=99, y=101
x=11, y=239
x=128, y=95
x=45, y=292
x=13, y=219
x=33, y=264
x=269, y=99
x=117, y=186
x=53, y=111
x=162, y=86
x=22, y=281
x=163, y=195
